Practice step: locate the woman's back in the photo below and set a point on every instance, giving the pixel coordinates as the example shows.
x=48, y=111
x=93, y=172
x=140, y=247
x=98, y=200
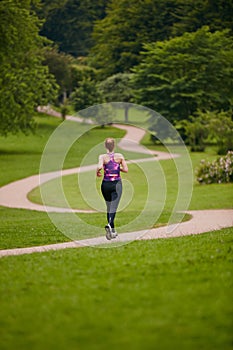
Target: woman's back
x=111, y=164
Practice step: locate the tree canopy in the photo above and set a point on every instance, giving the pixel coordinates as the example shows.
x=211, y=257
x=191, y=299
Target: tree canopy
x=117, y=88
x=209, y=126
x=24, y=80
x=193, y=15
x=60, y=65
x=120, y=36
x=178, y=76
x=178, y=64
x=69, y=23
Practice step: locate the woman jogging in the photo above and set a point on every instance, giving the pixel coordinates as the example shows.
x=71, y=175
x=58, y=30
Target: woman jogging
x=111, y=187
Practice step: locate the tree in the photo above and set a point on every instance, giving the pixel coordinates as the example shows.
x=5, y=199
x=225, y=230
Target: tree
x=197, y=130
x=60, y=65
x=80, y=71
x=128, y=25
x=117, y=88
x=64, y=109
x=116, y=30
x=211, y=126
x=85, y=95
x=193, y=15
x=180, y=75
x=119, y=37
x=69, y=23
x=221, y=130
x=46, y=6
x=24, y=81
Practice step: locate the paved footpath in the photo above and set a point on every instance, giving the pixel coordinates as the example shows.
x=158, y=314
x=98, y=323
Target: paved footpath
x=201, y=221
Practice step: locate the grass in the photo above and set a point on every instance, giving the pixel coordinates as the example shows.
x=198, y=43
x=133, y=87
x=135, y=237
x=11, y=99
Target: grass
x=25, y=228
x=162, y=294
x=20, y=155
x=213, y=196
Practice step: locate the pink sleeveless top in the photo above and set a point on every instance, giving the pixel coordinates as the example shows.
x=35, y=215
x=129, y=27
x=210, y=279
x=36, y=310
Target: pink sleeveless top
x=111, y=169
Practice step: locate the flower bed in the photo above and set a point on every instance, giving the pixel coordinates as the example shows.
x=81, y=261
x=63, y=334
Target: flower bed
x=218, y=171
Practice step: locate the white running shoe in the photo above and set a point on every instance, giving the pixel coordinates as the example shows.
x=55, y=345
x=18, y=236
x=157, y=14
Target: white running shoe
x=114, y=233
x=108, y=230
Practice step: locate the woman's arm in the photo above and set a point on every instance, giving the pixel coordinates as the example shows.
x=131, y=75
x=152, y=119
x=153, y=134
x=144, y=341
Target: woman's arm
x=100, y=166
x=124, y=166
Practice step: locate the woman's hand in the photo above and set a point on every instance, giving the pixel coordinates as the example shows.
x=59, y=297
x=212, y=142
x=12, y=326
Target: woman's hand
x=100, y=166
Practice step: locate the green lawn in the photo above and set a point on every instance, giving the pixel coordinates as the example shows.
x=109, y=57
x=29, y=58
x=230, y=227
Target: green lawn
x=162, y=294
x=25, y=228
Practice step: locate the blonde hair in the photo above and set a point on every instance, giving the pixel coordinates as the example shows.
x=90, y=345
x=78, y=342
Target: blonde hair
x=110, y=144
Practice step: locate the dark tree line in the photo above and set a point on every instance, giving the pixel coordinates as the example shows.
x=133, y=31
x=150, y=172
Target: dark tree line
x=171, y=55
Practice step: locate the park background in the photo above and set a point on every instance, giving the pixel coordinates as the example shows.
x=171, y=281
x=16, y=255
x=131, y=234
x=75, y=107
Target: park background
x=174, y=57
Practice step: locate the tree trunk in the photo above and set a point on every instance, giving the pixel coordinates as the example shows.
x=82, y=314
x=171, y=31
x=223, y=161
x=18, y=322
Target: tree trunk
x=64, y=97
x=127, y=112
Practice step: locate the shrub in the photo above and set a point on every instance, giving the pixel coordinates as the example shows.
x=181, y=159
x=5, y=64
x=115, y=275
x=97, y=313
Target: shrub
x=208, y=126
x=196, y=131
x=218, y=171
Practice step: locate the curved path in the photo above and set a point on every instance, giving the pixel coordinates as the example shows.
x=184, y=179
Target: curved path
x=129, y=142
x=201, y=221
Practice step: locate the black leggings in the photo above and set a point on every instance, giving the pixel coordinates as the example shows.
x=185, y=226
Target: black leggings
x=111, y=191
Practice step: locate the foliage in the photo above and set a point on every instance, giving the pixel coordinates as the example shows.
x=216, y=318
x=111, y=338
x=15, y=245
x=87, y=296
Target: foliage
x=71, y=74
x=117, y=88
x=82, y=86
x=119, y=37
x=24, y=81
x=161, y=130
x=85, y=95
x=196, y=130
x=81, y=71
x=206, y=126
x=218, y=171
x=195, y=14
x=44, y=8
x=103, y=114
x=69, y=23
x=176, y=76
x=64, y=110
x=115, y=31
x=221, y=130
x=60, y=66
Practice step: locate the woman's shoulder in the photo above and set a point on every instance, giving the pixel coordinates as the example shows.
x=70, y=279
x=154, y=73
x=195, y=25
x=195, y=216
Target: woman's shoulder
x=104, y=157
x=118, y=155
